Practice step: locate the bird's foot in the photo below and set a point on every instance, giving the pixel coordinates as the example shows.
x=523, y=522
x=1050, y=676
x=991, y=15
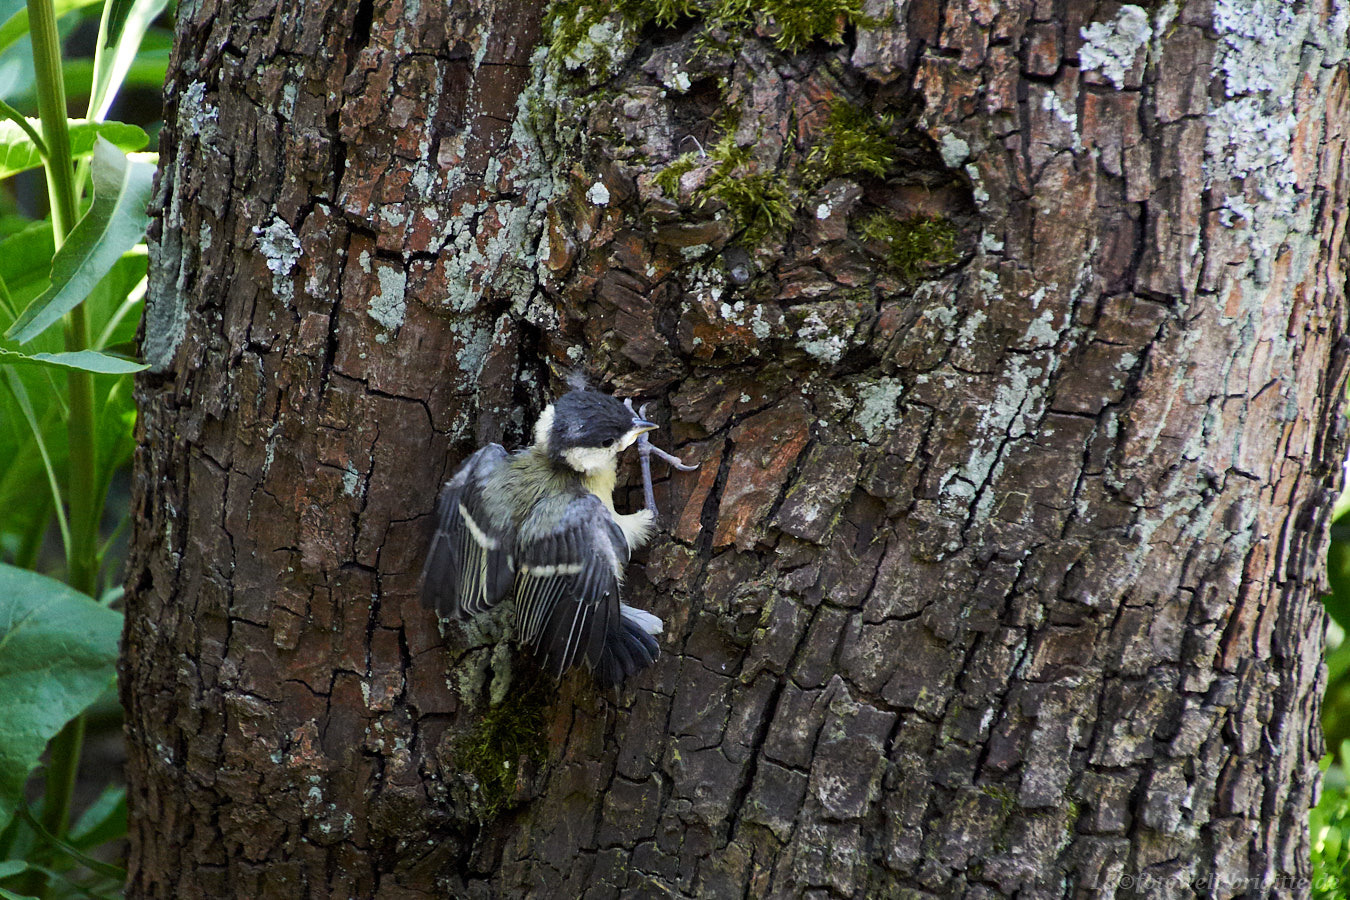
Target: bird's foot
x=646, y=449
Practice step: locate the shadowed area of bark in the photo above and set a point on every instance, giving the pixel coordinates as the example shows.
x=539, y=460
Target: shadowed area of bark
x=1010, y=339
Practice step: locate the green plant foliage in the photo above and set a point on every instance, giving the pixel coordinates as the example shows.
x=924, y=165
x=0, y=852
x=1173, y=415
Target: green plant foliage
x=85, y=360
x=66, y=420
x=122, y=29
x=1329, y=824
x=913, y=247
x=856, y=143
x=1329, y=821
x=18, y=153
x=114, y=224
x=16, y=26
x=58, y=653
x=1336, y=699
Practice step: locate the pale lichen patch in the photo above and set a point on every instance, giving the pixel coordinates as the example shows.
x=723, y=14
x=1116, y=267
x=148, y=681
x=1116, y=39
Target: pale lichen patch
x=279, y=246
x=281, y=250
x=954, y=151
x=878, y=410
x=598, y=194
x=1265, y=49
x=1111, y=47
x=818, y=338
x=388, y=306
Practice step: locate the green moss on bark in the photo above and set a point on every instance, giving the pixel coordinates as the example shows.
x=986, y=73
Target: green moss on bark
x=856, y=143
x=795, y=24
x=912, y=247
x=507, y=739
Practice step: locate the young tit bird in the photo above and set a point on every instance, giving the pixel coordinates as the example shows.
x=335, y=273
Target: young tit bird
x=541, y=524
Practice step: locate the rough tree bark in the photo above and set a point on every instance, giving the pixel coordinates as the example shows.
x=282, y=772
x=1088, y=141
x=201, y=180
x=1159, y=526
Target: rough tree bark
x=1017, y=403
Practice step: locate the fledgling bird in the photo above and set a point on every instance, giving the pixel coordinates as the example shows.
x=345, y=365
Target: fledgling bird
x=540, y=524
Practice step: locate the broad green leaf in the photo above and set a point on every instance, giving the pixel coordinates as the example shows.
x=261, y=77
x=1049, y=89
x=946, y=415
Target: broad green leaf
x=114, y=59
x=123, y=285
x=113, y=225
x=58, y=652
x=18, y=154
x=26, y=258
x=16, y=26
x=10, y=895
x=87, y=360
x=12, y=867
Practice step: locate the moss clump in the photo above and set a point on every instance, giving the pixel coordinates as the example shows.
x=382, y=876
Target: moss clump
x=914, y=246
x=757, y=201
x=800, y=22
x=567, y=22
x=668, y=179
x=506, y=736
x=855, y=143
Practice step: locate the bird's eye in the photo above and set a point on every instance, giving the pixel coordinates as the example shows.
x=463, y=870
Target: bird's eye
x=607, y=442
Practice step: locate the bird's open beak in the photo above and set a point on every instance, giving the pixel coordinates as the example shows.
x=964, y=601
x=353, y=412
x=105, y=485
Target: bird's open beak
x=641, y=425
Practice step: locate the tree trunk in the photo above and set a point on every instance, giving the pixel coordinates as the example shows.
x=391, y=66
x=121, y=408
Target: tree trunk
x=1010, y=338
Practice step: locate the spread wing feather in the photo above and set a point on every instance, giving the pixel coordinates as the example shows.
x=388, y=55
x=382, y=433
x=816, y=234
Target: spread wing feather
x=567, y=592
x=471, y=564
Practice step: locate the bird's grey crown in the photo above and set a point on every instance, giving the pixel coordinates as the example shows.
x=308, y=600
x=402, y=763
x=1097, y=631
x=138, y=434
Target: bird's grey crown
x=587, y=419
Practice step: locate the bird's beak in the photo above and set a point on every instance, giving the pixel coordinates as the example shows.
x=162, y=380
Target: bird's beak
x=641, y=425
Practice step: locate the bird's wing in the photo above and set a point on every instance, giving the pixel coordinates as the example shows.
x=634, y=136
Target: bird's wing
x=567, y=592
x=470, y=564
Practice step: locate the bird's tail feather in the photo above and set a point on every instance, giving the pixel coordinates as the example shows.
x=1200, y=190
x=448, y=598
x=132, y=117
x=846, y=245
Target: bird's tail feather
x=631, y=648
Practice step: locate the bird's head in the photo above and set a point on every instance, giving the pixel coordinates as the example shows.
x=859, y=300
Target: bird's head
x=587, y=430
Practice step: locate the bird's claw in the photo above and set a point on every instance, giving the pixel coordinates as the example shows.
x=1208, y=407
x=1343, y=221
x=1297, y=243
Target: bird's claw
x=645, y=451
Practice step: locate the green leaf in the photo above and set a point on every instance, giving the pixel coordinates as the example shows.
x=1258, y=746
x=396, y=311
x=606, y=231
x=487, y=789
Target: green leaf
x=107, y=870
x=86, y=360
x=10, y=895
x=58, y=652
x=114, y=58
x=12, y=867
x=26, y=259
x=113, y=225
x=18, y=154
x=16, y=26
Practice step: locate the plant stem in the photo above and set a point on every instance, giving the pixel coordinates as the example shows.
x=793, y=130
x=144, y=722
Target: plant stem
x=82, y=552
x=51, y=91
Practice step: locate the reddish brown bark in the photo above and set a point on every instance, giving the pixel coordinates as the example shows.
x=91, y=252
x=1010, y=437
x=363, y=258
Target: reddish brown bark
x=999, y=574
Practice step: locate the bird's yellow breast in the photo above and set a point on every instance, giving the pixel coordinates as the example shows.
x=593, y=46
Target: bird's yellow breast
x=600, y=482
x=636, y=527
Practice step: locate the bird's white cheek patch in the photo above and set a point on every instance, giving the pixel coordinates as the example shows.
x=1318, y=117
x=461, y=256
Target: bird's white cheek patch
x=588, y=459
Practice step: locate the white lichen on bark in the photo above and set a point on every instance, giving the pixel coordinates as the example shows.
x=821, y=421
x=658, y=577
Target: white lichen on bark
x=1111, y=47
